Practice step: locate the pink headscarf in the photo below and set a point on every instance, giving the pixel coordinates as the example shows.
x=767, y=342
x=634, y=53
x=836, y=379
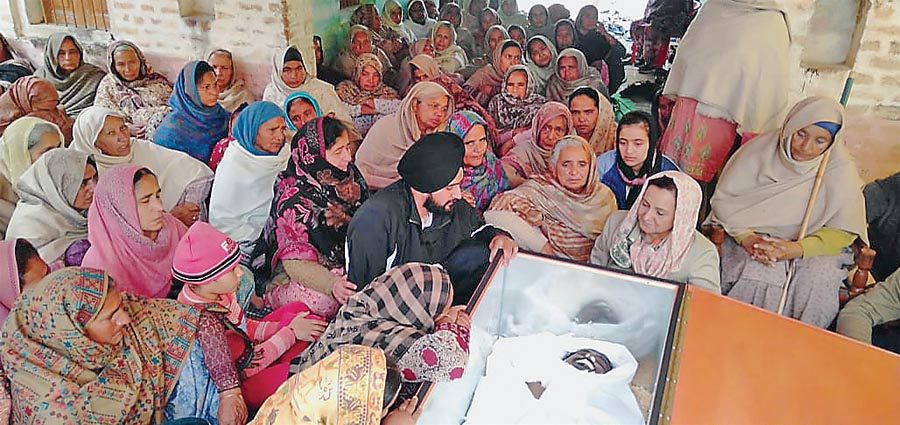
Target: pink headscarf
x=9, y=279
x=140, y=266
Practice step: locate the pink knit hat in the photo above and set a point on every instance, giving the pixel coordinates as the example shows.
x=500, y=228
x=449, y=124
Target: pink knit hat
x=204, y=254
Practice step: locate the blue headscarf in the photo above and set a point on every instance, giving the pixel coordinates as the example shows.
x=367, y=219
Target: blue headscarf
x=248, y=122
x=191, y=127
x=487, y=179
x=831, y=127
x=299, y=95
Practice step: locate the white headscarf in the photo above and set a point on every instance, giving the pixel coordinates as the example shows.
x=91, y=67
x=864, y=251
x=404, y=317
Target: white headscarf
x=180, y=176
x=277, y=90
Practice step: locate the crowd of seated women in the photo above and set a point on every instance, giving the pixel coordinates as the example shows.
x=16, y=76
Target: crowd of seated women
x=185, y=250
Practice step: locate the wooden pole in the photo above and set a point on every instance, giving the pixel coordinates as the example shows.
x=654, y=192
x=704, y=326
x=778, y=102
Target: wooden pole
x=817, y=185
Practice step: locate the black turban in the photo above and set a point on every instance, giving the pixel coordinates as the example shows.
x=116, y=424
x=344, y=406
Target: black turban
x=432, y=162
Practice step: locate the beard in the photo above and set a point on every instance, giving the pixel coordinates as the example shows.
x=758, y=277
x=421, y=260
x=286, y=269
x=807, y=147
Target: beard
x=433, y=207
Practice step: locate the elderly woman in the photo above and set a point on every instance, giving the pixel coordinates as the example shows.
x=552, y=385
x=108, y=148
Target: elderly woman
x=419, y=22
x=449, y=56
x=492, y=38
x=564, y=34
x=487, y=82
x=635, y=158
x=483, y=175
x=306, y=233
x=242, y=192
x=197, y=121
x=541, y=55
x=514, y=107
x=289, y=75
x=517, y=33
x=572, y=72
x=451, y=12
x=21, y=145
x=133, y=91
x=761, y=199
x=424, y=110
x=594, y=118
x=657, y=236
x=392, y=40
x=532, y=151
x=359, y=42
x=13, y=65
x=562, y=212
x=367, y=97
x=392, y=22
x=232, y=90
x=539, y=22
x=33, y=97
x=352, y=378
x=488, y=18
x=54, y=197
x=420, y=47
x=75, y=80
x=75, y=339
x=132, y=237
x=427, y=338
x=185, y=182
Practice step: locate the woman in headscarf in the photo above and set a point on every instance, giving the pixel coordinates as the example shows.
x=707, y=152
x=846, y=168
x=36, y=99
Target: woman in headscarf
x=539, y=22
x=517, y=33
x=80, y=351
x=572, y=72
x=532, y=151
x=75, y=80
x=21, y=145
x=564, y=34
x=299, y=109
x=761, y=199
x=557, y=12
x=367, y=97
x=22, y=268
x=514, y=107
x=511, y=15
x=132, y=237
x=657, y=236
x=13, y=65
x=661, y=110
x=354, y=383
x=54, y=197
x=594, y=118
x=493, y=36
x=472, y=14
x=419, y=22
x=185, y=182
x=425, y=68
x=232, y=90
x=392, y=21
x=133, y=90
x=291, y=74
x=483, y=176
x=359, y=42
x=541, y=55
x=424, y=110
x=306, y=232
x=451, y=12
x=242, y=192
x=635, y=158
x=34, y=97
x=487, y=82
x=420, y=47
x=560, y=213
x=713, y=103
x=427, y=338
x=388, y=40
x=598, y=45
x=197, y=121
x=449, y=56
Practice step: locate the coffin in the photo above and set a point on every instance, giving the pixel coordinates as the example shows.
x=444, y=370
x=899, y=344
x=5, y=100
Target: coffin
x=702, y=358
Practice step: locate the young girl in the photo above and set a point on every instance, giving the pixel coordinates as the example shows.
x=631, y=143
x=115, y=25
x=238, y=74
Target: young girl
x=206, y=260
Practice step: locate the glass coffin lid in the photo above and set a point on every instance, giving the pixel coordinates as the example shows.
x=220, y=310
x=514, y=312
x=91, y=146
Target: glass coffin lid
x=537, y=311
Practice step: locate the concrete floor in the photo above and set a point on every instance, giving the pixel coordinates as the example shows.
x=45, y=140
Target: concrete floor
x=875, y=144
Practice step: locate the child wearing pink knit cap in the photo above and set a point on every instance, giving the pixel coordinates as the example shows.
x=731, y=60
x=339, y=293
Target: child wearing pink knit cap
x=207, y=262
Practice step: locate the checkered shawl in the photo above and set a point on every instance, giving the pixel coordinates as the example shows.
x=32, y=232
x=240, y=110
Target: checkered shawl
x=58, y=375
x=391, y=313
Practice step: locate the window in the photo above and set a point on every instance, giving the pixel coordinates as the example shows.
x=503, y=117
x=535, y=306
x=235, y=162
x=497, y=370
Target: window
x=90, y=14
x=835, y=30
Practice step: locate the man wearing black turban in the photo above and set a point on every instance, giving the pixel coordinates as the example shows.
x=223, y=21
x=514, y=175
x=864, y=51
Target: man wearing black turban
x=420, y=218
